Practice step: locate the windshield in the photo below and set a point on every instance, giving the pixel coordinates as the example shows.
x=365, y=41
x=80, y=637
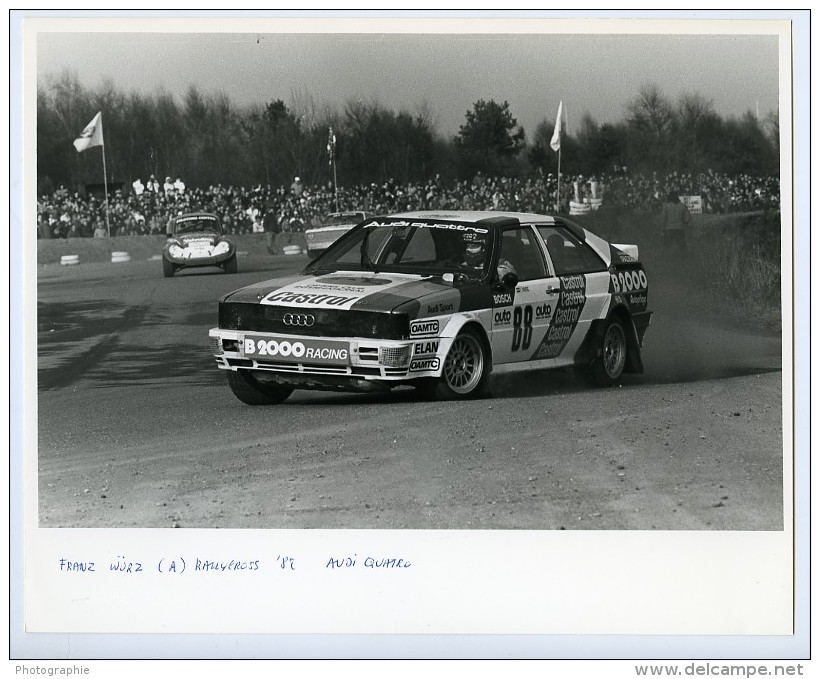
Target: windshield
x=410, y=246
x=198, y=224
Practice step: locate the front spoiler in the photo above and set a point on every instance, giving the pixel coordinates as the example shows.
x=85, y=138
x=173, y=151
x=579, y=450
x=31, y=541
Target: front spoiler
x=215, y=260
x=362, y=372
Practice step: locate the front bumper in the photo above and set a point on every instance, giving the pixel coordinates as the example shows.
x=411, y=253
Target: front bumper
x=213, y=260
x=306, y=362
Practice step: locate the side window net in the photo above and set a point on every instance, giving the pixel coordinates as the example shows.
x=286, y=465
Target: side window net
x=568, y=254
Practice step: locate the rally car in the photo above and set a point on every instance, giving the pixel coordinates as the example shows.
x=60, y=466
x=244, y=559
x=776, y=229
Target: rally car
x=438, y=300
x=196, y=240
x=334, y=226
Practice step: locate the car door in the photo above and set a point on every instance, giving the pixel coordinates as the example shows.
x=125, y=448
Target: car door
x=581, y=278
x=521, y=316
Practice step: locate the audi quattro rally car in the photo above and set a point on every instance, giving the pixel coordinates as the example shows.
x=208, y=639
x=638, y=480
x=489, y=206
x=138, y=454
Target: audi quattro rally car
x=336, y=224
x=438, y=300
x=196, y=240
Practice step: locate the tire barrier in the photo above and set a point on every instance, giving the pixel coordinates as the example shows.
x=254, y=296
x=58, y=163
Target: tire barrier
x=292, y=250
x=120, y=257
x=585, y=207
x=69, y=260
x=143, y=248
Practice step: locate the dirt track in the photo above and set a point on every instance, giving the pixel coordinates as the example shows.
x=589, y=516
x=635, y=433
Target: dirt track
x=137, y=427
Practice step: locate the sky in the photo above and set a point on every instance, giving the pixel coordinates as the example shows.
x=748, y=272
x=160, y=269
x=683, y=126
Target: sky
x=591, y=71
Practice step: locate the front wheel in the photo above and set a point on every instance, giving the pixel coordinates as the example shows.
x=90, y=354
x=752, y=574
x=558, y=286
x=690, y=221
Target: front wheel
x=167, y=268
x=466, y=369
x=253, y=392
x=230, y=265
x=608, y=365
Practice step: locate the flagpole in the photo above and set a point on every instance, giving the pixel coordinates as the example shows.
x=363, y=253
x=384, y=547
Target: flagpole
x=105, y=185
x=558, y=193
x=331, y=151
x=563, y=113
x=335, y=184
x=555, y=145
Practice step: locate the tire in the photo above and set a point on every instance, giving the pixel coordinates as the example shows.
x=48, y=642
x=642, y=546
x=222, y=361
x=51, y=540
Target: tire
x=168, y=268
x=230, y=265
x=466, y=370
x=610, y=358
x=251, y=391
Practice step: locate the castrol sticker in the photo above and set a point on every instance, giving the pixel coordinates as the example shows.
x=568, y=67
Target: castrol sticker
x=563, y=319
x=332, y=292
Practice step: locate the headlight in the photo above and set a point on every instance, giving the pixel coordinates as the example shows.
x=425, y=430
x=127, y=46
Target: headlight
x=221, y=248
x=394, y=357
x=175, y=251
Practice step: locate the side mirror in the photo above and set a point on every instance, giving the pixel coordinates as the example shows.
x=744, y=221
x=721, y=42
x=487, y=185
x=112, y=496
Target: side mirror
x=510, y=280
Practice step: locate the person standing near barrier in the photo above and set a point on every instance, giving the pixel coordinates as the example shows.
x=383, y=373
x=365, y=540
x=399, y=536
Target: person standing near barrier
x=270, y=223
x=675, y=219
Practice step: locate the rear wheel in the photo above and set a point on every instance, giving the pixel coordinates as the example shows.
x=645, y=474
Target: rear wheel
x=248, y=389
x=609, y=363
x=466, y=369
x=230, y=265
x=168, y=268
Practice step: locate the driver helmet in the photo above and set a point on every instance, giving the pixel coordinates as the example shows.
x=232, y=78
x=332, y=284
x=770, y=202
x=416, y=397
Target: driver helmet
x=474, y=251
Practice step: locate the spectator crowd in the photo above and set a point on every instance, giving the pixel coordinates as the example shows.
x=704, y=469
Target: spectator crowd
x=146, y=207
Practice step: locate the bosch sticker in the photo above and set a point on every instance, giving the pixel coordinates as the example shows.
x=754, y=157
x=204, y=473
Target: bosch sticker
x=503, y=299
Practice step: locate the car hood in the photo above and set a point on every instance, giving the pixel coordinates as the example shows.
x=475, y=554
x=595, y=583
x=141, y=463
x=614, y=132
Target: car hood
x=419, y=296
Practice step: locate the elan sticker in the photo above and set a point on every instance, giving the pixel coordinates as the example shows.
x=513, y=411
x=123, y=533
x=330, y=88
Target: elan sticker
x=425, y=348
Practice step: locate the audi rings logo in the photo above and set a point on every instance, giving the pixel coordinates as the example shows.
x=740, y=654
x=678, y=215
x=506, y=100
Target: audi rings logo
x=304, y=320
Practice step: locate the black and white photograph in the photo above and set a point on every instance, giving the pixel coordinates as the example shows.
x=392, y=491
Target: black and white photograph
x=433, y=314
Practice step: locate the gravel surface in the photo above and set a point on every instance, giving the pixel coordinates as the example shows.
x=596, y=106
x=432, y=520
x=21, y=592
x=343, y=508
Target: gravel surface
x=137, y=427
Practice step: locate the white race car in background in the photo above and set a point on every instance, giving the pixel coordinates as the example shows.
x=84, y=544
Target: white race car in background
x=196, y=240
x=335, y=225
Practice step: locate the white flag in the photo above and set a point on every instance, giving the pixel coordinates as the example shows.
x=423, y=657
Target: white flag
x=331, y=145
x=555, y=142
x=91, y=136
